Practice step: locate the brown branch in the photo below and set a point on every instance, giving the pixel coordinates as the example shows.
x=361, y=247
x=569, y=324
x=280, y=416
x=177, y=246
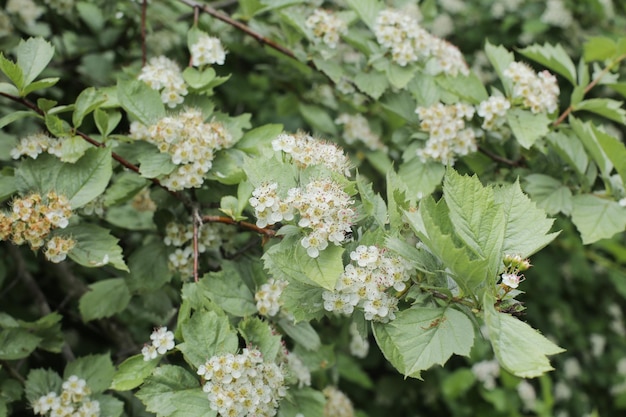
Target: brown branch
x=592, y=84
x=144, y=48
x=245, y=225
x=499, y=158
x=12, y=372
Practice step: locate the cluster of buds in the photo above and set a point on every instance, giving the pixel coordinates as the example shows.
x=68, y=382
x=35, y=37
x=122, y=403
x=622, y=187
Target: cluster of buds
x=162, y=341
x=326, y=27
x=448, y=136
x=190, y=142
x=493, y=111
x=539, y=92
x=409, y=43
x=73, y=401
x=268, y=297
x=33, y=218
x=514, y=265
x=323, y=208
x=337, y=403
x=356, y=128
x=305, y=150
x=35, y=144
x=365, y=284
x=243, y=385
x=207, y=50
x=180, y=236
x=164, y=75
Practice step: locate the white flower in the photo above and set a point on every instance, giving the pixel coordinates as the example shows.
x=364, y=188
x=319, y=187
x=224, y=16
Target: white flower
x=326, y=27
x=511, y=280
x=207, y=50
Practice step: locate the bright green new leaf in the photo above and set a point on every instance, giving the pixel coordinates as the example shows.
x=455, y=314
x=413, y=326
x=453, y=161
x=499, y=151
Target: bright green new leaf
x=289, y=260
x=86, y=102
x=96, y=370
x=154, y=164
x=552, y=57
x=13, y=73
x=302, y=333
x=421, y=337
x=95, y=247
x=198, y=80
x=33, y=55
x=549, y=194
x=527, y=126
x=16, y=343
x=140, y=101
x=367, y=10
x=7, y=88
x=226, y=289
x=611, y=109
x=526, y=226
x=40, y=382
x=132, y=372
x=73, y=148
x=106, y=121
x=519, y=348
x=104, y=299
x=148, y=267
x=304, y=401
x=599, y=48
x=40, y=85
x=57, y=126
x=597, y=218
x=258, y=333
x=172, y=391
x=206, y=334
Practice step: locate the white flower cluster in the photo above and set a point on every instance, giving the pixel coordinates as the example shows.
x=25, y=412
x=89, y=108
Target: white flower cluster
x=74, y=401
x=162, y=341
x=487, y=372
x=359, y=346
x=299, y=370
x=557, y=14
x=28, y=11
x=337, y=403
x=324, y=209
x=189, y=141
x=539, y=92
x=448, y=136
x=268, y=297
x=164, y=75
x=514, y=265
x=365, y=284
x=493, y=111
x=61, y=6
x=306, y=150
x=409, y=43
x=207, y=50
x=326, y=27
x=180, y=236
x=243, y=385
x=356, y=128
x=35, y=144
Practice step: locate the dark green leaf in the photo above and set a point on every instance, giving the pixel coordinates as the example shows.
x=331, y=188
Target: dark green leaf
x=96, y=370
x=259, y=334
x=104, y=299
x=140, y=101
x=17, y=343
x=95, y=247
x=227, y=290
x=86, y=102
x=148, y=267
x=132, y=372
x=206, y=334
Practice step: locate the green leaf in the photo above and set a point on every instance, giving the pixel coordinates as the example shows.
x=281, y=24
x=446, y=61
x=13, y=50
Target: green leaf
x=367, y=10
x=125, y=186
x=611, y=109
x=467, y=87
x=373, y=204
x=526, y=226
x=520, y=349
x=259, y=137
x=500, y=59
x=48, y=328
x=554, y=58
x=206, y=334
x=173, y=391
x=140, y=101
x=258, y=333
x=152, y=165
x=40, y=382
x=81, y=182
x=303, y=301
x=289, y=260
x=586, y=132
x=372, y=83
x=106, y=121
x=92, y=15
x=399, y=76
x=350, y=369
x=226, y=289
x=599, y=48
x=16, y=115
x=33, y=55
x=597, y=218
x=318, y=118
x=614, y=149
x=148, y=267
x=109, y=405
x=527, y=126
x=228, y=167
x=57, y=126
x=16, y=343
x=421, y=337
x=40, y=85
x=96, y=370
x=302, y=333
x=420, y=178
x=73, y=148
x=331, y=68
x=7, y=88
x=104, y=299
x=304, y=401
x=549, y=194
x=7, y=186
x=198, y=80
x=86, y=102
x=571, y=150
x=13, y=73
x=95, y=247
x=132, y=372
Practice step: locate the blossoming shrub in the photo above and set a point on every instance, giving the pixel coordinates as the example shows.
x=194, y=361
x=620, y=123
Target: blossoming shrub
x=304, y=208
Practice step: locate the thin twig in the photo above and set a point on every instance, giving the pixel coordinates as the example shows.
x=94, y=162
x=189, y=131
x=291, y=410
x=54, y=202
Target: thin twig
x=6, y=365
x=499, y=158
x=197, y=222
x=245, y=225
x=144, y=48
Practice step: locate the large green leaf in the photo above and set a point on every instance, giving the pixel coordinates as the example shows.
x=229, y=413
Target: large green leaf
x=16, y=343
x=302, y=333
x=597, y=218
x=420, y=178
x=132, y=372
x=305, y=401
x=552, y=57
x=467, y=87
x=33, y=55
x=40, y=382
x=80, y=182
x=571, y=150
x=258, y=333
x=527, y=126
x=520, y=349
x=86, y=102
x=599, y=48
x=611, y=109
x=421, y=337
x=549, y=194
x=226, y=289
x=207, y=334
x=174, y=391
x=289, y=260
x=95, y=247
x=96, y=370
x=104, y=299
x=140, y=101
x=148, y=267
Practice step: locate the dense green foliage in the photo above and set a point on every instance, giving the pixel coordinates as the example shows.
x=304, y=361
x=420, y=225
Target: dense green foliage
x=320, y=200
